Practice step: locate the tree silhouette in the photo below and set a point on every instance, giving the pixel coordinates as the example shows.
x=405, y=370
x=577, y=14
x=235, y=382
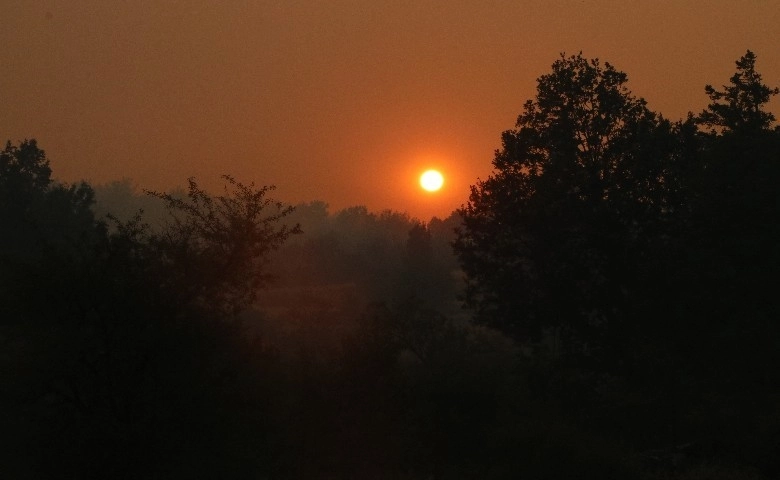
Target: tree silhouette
x=739, y=107
x=634, y=256
x=124, y=356
x=44, y=223
x=216, y=248
x=579, y=185
x=24, y=169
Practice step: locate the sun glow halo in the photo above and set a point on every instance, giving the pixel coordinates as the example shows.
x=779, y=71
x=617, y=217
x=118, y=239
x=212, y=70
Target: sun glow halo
x=431, y=180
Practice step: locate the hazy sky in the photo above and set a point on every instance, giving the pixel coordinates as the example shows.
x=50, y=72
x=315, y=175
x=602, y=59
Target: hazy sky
x=338, y=100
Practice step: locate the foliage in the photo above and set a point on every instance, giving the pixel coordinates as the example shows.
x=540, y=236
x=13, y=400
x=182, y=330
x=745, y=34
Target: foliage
x=42, y=223
x=620, y=266
x=217, y=248
x=581, y=182
x=24, y=171
x=382, y=257
x=633, y=257
x=123, y=357
x=739, y=107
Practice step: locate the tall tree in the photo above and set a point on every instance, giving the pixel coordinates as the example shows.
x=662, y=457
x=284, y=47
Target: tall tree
x=42, y=223
x=580, y=184
x=740, y=106
x=732, y=247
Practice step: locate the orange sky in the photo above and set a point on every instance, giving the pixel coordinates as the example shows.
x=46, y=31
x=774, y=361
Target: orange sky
x=342, y=101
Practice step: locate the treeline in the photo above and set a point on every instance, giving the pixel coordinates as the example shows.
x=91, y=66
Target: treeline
x=380, y=257
x=637, y=259
x=617, y=270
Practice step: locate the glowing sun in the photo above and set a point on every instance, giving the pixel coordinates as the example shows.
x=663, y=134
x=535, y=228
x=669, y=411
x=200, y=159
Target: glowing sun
x=431, y=180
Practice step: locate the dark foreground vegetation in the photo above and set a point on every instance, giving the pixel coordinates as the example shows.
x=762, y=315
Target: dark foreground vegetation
x=619, y=272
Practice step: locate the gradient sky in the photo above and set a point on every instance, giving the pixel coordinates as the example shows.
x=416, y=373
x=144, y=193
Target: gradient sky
x=345, y=101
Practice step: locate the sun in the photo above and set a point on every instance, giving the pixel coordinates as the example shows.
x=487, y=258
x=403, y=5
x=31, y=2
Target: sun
x=431, y=180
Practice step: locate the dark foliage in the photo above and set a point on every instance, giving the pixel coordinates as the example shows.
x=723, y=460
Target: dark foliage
x=636, y=258
x=739, y=107
x=582, y=187
x=619, y=267
x=123, y=356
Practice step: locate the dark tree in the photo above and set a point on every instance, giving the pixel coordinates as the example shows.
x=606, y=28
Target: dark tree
x=43, y=223
x=580, y=184
x=24, y=169
x=643, y=253
x=215, y=251
x=740, y=106
x=24, y=181
x=731, y=250
x=123, y=356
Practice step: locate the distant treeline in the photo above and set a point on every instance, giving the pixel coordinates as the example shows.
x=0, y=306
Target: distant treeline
x=617, y=271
